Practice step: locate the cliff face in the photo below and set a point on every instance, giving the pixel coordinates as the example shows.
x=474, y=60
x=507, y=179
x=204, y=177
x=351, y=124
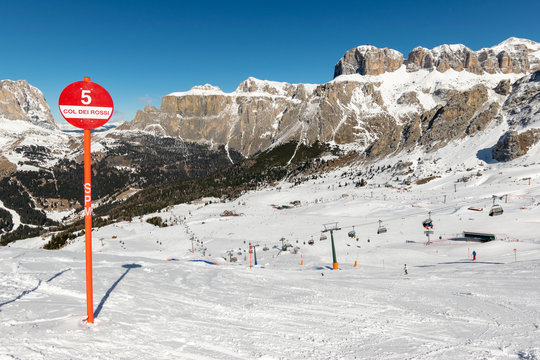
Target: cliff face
x=378, y=102
x=519, y=56
x=21, y=101
x=368, y=60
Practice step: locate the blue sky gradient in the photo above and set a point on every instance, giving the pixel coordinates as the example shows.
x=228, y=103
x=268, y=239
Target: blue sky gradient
x=142, y=50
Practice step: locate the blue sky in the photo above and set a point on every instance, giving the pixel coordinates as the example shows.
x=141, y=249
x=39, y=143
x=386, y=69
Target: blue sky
x=142, y=50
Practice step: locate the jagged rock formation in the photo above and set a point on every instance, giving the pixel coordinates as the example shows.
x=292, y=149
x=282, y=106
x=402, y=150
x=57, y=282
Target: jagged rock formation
x=519, y=56
x=522, y=106
x=445, y=57
x=377, y=102
x=21, y=101
x=513, y=145
x=246, y=119
x=521, y=110
x=368, y=60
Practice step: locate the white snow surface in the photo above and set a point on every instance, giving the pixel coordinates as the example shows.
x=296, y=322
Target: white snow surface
x=293, y=306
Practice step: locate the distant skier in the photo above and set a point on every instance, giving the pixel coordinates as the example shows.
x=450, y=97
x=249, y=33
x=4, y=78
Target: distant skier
x=405, y=269
x=474, y=255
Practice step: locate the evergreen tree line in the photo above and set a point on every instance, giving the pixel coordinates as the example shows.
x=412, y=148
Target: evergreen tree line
x=230, y=182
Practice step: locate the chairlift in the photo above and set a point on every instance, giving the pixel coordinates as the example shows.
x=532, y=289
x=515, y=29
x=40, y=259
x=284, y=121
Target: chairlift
x=428, y=223
x=352, y=234
x=311, y=242
x=381, y=229
x=496, y=209
x=265, y=248
x=323, y=237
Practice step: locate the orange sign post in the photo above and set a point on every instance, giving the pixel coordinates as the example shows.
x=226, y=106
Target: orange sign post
x=86, y=105
x=88, y=224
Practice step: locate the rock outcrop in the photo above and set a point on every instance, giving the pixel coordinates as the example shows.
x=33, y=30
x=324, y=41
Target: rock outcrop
x=511, y=56
x=513, y=145
x=443, y=58
x=368, y=60
x=21, y=101
x=379, y=105
x=522, y=106
x=518, y=56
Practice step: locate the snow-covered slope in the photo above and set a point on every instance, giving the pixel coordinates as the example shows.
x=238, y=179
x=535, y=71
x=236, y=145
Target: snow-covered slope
x=291, y=305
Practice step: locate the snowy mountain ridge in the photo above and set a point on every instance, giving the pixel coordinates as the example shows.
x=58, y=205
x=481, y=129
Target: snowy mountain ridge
x=391, y=118
x=381, y=105
x=182, y=281
x=22, y=101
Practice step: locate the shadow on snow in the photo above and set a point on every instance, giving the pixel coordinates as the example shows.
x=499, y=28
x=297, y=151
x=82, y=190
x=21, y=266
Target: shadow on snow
x=26, y=292
x=128, y=268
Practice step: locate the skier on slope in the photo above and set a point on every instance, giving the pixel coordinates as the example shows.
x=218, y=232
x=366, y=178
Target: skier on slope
x=405, y=269
x=474, y=255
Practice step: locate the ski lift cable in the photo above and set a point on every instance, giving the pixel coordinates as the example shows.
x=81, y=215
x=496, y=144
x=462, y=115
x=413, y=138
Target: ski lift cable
x=433, y=211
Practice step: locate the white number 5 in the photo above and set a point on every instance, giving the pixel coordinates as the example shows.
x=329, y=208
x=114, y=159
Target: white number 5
x=85, y=97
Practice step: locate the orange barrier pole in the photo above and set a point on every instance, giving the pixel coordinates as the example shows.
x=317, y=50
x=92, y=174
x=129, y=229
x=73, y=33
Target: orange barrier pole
x=250, y=252
x=88, y=225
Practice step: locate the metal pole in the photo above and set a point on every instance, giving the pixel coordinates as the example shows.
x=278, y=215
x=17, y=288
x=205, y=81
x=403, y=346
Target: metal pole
x=250, y=251
x=335, y=264
x=88, y=224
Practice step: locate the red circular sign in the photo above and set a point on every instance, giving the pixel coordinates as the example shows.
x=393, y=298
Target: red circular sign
x=85, y=104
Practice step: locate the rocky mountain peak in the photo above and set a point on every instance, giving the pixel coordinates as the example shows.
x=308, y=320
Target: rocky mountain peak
x=21, y=101
x=368, y=60
x=512, y=56
x=205, y=87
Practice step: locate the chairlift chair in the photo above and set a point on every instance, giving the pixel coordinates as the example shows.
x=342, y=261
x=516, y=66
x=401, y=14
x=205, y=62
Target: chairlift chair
x=496, y=210
x=428, y=223
x=352, y=234
x=381, y=229
x=323, y=237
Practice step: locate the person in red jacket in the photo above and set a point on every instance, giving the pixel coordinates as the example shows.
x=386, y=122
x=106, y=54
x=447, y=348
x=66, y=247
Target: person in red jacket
x=474, y=255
